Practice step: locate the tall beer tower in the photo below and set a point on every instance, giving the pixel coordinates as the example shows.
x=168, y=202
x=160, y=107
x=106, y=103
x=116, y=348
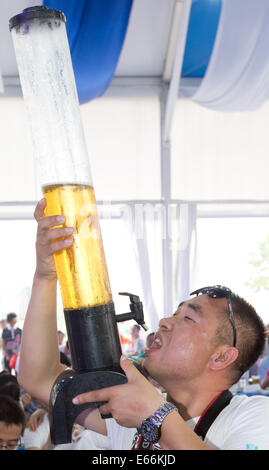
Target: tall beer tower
x=63, y=169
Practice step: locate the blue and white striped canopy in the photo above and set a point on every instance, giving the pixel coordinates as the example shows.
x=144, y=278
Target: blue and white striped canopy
x=96, y=30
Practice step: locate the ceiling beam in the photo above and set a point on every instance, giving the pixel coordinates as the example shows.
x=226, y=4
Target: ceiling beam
x=120, y=86
x=174, y=60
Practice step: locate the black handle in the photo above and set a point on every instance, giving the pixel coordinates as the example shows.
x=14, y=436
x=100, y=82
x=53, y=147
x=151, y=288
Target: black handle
x=136, y=313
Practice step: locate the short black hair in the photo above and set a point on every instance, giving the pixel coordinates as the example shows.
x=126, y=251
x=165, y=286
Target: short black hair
x=250, y=334
x=6, y=376
x=10, y=316
x=11, y=389
x=11, y=412
x=138, y=327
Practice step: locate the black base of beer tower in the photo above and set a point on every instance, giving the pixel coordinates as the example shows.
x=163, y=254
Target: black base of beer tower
x=63, y=412
x=93, y=338
x=95, y=355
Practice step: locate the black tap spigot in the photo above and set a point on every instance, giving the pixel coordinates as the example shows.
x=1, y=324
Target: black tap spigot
x=136, y=313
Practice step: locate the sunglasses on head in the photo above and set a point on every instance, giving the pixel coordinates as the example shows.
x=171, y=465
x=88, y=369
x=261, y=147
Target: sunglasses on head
x=220, y=292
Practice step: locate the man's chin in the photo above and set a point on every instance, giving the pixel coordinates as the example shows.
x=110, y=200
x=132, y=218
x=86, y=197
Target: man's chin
x=152, y=376
x=148, y=367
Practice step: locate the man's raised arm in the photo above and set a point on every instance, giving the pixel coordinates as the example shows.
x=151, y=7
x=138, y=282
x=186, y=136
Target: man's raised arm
x=39, y=354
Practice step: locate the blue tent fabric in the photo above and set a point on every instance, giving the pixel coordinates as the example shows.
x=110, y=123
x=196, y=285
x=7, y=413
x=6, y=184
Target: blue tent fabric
x=96, y=30
x=202, y=28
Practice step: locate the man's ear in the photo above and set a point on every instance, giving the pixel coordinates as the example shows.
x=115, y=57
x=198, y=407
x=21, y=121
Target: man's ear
x=223, y=357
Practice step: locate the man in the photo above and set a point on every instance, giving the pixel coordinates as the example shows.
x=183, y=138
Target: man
x=11, y=339
x=3, y=325
x=12, y=423
x=60, y=339
x=138, y=345
x=197, y=354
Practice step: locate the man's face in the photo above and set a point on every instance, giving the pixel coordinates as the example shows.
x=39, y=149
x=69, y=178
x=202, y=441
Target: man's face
x=183, y=343
x=13, y=322
x=60, y=338
x=9, y=435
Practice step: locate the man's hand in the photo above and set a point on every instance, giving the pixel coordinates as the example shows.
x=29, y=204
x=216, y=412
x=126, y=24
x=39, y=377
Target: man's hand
x=49, y=239
x=129, y=403
x=26, y=399
x=36, y=419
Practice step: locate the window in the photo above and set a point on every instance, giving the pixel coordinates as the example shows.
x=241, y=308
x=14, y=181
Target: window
x=224, y=247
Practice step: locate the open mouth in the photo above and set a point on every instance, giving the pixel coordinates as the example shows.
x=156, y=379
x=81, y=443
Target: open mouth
x=156, y=344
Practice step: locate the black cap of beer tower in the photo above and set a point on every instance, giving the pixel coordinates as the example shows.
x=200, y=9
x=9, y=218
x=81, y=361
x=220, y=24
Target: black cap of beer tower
x=31, y=13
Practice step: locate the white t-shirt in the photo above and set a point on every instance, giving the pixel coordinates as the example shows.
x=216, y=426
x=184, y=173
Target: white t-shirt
x=242, y=425
x=39, y=437
x=85, y=440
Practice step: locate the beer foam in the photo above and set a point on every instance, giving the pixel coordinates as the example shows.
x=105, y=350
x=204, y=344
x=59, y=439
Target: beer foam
x=50, y=94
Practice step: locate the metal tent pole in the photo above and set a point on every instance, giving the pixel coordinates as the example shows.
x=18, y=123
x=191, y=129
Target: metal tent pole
x=168, y=98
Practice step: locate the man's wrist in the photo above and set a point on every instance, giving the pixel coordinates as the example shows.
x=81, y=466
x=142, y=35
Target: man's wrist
x=40, y=277
x=151, y=427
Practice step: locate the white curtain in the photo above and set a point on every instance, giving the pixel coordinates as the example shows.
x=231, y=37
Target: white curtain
x=219, y=156
x=140, y=224
x=185, y=255
x=237, y=77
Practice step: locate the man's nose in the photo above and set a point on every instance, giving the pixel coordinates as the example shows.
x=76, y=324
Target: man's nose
x=166, y=323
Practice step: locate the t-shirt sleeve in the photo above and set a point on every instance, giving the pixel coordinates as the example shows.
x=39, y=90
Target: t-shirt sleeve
x=39, y=437
x=121, y=438
x=243, y=426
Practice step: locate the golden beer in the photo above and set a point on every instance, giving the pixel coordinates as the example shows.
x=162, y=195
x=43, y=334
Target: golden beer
x=81, y=269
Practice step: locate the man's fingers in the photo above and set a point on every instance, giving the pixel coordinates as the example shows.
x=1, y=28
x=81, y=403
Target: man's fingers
x=105, y=409
x=60, y=232
x=49, y=230
x=59, y=245
x=95, y=396
x=105, y=394
x=50, y=221
x=39, y=210
x=131, y=372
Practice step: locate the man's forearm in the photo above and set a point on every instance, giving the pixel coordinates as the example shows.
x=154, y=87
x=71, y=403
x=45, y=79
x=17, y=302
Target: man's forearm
x=177, y=435
x=39, y=354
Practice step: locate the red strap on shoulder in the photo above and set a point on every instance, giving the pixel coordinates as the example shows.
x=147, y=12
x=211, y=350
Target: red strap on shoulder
x=205, y=410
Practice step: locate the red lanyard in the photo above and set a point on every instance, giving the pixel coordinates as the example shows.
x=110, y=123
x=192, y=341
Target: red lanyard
x=211, y=412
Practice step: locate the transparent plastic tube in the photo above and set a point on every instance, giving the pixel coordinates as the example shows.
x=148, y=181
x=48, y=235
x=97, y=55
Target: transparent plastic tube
x=60, y=153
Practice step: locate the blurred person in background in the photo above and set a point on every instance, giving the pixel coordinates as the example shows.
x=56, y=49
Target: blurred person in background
x=138, y=344
x=12, y=423
x=11, y=337
x=3, y=325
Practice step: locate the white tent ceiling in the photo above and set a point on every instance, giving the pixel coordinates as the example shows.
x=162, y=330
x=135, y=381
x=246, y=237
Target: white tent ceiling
x=145, y=47
x=128, y=130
